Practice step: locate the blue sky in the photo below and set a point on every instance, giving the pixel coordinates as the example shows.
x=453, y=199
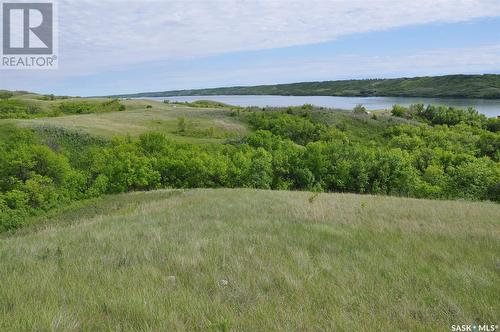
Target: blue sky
x=161, y=50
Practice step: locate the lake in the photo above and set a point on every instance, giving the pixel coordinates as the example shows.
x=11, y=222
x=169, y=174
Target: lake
x=490, y=108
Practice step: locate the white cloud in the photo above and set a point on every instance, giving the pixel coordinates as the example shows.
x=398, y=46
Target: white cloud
x=172, y=76
x=103, y=34
x=97, y=36
x=432, y=62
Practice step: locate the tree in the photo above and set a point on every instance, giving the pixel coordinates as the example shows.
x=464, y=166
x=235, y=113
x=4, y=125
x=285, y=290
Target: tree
x=360, y=109
x=181, y=125
x=399, y=111
x=4, y=95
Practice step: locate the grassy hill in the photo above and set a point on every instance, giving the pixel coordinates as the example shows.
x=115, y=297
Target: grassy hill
x=74, y=257
x=247, y=260
x=205, y=121
x=202, y=124
x=456, y=86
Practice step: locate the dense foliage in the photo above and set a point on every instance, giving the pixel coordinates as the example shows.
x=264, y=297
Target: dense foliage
x=15, y=109
x=85, y=107
x=5, y=94
x=21, y=109
x=443, y=115
x=289, y=149
x=458, y=86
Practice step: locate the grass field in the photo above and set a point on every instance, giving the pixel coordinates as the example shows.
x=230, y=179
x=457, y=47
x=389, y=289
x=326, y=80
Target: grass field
x=248, y=260
x=202, y=124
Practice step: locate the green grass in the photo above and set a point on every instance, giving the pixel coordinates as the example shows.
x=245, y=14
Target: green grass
x=46, y=106
x=206, y=121
x=253, y=261
x=204, y=125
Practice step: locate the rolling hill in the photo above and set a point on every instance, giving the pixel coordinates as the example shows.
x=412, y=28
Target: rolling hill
x=77, y=253
x=247, y=260
x=454, y=86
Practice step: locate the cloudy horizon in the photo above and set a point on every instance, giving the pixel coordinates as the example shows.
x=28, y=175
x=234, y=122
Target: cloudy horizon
x=111, y=47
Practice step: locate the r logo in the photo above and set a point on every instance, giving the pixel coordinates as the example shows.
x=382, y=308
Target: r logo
x=28, y=28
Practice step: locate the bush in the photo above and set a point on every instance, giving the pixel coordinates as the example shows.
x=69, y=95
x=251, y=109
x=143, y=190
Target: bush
x=442, y=115
x=474, y=180
x=86, y=107
x=126, y=168
x=5, y=95
x=300, y=129
x=493, y=125
x=181, y=125
x=398, y=111
x=359, y=109
x=15, y=109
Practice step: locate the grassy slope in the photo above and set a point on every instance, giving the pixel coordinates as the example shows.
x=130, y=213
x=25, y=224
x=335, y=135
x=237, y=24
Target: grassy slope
x=204, y=125
x=461, y=86
x=137, y=119
x=47, y=105
x=155, y=261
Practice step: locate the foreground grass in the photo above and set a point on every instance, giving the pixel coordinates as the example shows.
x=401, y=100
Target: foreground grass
x=253, y=260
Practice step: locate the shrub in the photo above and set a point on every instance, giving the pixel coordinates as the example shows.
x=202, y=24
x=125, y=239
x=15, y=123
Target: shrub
x=300, y=129
x=126, y=168
x=181, y=125
x=360, y=109
x=86, y=107
x=5, y=95
x=398, y=111
x=15, y=109
x=493, y=125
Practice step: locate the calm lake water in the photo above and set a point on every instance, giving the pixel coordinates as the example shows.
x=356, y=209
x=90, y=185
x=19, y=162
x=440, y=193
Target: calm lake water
x=490, y=108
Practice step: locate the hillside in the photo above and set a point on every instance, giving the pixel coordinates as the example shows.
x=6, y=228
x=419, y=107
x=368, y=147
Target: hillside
x=456, y=86
x=247, y=260
x=79, y=253
x=55, y=150
x=203, y=125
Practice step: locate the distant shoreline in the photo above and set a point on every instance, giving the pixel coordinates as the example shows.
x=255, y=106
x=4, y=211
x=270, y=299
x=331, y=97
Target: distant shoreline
x=488, y=107
x=485, y=86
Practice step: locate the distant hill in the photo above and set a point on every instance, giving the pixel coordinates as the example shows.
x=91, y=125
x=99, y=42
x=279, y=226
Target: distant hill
x=455, y=86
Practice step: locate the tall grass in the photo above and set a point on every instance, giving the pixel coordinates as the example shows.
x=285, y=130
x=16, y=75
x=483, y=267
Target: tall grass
x=253, y=260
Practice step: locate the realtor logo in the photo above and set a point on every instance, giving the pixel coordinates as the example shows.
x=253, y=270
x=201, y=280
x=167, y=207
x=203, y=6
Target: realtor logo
x=28, y=35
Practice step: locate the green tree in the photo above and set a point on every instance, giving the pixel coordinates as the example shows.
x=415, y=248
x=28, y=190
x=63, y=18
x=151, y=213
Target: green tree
x=4, y=95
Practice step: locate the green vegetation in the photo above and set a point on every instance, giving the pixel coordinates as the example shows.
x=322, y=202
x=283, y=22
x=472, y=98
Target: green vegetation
x=75, y=257
x=298, y=148
x=10, y=109
x=5, y=94
x=455, y=86
x=247, y=260
x=201, y=104
x=29, y=109
x=203, y=125
x=442, y=115
x=87, y=107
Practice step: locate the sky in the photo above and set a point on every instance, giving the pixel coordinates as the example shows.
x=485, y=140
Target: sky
x=113, y=47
